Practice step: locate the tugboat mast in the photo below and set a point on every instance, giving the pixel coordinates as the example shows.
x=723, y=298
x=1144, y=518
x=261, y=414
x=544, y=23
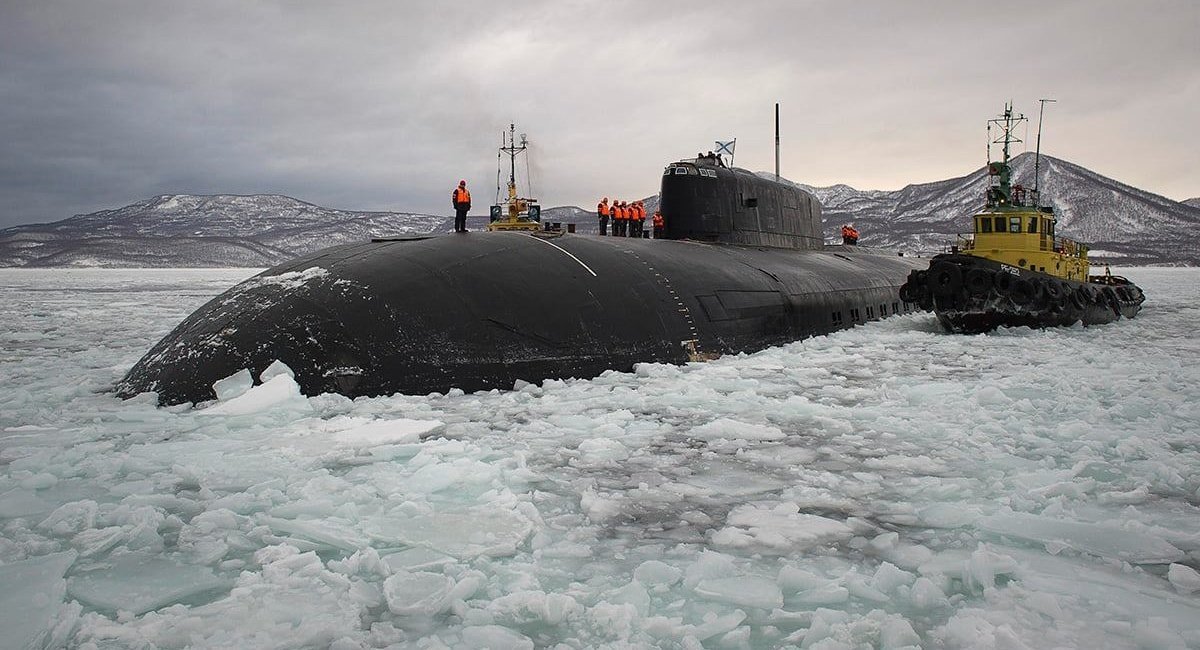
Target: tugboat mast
x=1000, y=194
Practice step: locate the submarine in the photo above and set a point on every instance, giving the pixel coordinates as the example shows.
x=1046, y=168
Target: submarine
x=742, y=266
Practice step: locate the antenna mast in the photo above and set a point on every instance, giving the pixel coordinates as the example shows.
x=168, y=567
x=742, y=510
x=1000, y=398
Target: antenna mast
x=1037, y=156
x=776, y=140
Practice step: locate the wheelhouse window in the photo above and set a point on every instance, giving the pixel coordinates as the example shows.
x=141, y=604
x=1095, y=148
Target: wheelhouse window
x=1033, y=224
x=985, y=224
x=1014, y=224
x=1000, y=224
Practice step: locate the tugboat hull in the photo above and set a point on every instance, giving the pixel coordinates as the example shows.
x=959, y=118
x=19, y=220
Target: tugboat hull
x=972, y=295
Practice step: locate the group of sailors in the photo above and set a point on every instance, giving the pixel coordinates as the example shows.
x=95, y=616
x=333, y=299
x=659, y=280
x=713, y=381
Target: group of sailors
x=628, y=219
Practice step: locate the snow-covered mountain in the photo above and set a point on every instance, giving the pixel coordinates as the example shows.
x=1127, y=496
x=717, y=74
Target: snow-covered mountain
x=223, y=230
x=1121, y=223
x=184, y=230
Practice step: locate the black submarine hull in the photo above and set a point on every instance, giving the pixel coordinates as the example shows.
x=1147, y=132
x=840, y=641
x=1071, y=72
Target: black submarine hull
x=479, y=311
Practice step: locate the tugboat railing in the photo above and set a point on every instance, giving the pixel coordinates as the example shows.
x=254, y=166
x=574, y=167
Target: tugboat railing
x=1060, y=245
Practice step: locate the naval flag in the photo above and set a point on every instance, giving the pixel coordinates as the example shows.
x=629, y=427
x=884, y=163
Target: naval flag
x=727, y=148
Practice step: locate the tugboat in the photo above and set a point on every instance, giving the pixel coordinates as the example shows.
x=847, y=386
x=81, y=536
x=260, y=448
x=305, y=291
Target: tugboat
x=1014, y=269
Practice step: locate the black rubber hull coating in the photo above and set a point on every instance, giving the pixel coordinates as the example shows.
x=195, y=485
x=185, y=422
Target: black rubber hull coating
x=482, y=310
x=972, y=295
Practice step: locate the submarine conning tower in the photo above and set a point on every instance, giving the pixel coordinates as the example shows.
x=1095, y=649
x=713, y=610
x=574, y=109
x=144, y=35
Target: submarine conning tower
x=703, y=200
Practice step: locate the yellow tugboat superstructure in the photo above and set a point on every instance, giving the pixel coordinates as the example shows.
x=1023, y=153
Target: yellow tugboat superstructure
x=1014, y=229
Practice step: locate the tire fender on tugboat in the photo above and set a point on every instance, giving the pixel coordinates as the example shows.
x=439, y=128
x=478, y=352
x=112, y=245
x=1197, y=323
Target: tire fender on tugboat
x=945, y=278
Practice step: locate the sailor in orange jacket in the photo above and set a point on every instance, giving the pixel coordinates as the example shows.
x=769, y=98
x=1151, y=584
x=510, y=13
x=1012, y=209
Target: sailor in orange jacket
x=639, y=219
x=461, y=199
x=602, y=211
x=658, y=224
x=849, y=235
x=621, y=219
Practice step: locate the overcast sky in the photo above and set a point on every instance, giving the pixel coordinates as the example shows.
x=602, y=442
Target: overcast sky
x=386, y=105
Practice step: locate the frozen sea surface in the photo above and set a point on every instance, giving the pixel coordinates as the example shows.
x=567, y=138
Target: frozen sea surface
x=887, y=486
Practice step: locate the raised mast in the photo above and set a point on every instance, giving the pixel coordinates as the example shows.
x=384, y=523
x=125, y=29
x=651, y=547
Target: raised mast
x=1037, y=156
x=1000, y=194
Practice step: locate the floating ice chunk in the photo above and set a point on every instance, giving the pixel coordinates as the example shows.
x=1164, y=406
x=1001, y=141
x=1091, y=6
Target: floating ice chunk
x=495, y=637
x=714, y=625
x=525, y=607
x=31, y=592
x=275, y=369
x=748, y=591
x=387, y=432
x=233, y=385
x=633, y=594
x=279, y=392
x=708, y=565
x=464, y=535
x=1185, y=579
x=94, y=541
x=729, y=479
x=896, y=633
x=946, y=515
x=19, y=502
x=139, y=583
x=888, y=578
x=71, y=517
x=1096, y=539
x=598, y=451
x=735, y=430
x=416, y=559
x=417, y=594
x=780, y=527
x=598, y=507
x=829, y=594
x=328, y=532
x=653, y=573
x=795, y=579
x=926, y=595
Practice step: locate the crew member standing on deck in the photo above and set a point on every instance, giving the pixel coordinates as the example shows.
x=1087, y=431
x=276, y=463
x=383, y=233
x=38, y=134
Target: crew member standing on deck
x=461, y=199
x=659, y=224
x=618, y=219
x=849, y=235
x=602, y=213
x=639, y=219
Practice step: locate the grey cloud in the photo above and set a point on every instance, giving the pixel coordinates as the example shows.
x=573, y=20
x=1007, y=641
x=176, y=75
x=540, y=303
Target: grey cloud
x=384, y=105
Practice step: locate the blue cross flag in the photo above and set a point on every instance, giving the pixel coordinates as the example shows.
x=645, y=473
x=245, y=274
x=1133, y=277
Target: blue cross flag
x=726, y=147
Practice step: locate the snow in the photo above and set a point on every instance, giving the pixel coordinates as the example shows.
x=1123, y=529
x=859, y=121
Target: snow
x=888, y=486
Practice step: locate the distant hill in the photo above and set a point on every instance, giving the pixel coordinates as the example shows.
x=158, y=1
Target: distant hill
x=1195, y=203
x=201, y=231
x=1123, y=224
